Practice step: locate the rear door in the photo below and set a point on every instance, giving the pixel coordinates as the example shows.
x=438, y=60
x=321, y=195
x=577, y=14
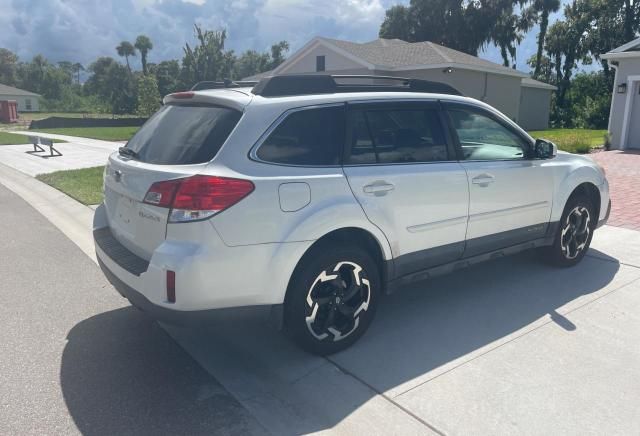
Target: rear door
x=510, y=193
x=178, y=141
x=403, y=171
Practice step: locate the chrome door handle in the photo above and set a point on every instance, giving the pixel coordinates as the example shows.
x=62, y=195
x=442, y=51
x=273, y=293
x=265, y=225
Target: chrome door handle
x=483, y=180
x=378, y=188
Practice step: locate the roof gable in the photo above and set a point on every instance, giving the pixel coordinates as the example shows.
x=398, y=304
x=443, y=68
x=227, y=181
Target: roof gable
x=630, y=46
x=399, y=55
x=10, y=90
x=628, y=50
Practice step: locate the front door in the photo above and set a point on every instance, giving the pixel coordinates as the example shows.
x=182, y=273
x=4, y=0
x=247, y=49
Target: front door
x=633, y=136
x=406, y=178
x=510, y=194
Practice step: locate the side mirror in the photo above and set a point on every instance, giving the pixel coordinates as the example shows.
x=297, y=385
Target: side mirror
x=545, y=149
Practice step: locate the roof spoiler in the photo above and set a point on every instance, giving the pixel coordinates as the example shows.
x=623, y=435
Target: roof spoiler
x=302, y=84
x=226, y=83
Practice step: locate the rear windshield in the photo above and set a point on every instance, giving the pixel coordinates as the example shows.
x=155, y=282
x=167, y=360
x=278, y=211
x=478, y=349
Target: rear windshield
x=181, y=135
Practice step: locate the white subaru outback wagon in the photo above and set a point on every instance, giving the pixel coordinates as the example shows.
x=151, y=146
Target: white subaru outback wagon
x=316, y=194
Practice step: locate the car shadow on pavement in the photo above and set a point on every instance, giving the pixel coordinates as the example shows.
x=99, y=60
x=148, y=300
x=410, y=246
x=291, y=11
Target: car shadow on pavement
x=434, y=326
x=122, y=374
x=120, y=371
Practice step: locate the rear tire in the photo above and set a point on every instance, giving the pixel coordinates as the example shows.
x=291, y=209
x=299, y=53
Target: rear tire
x=573, y=237
x=332, y=297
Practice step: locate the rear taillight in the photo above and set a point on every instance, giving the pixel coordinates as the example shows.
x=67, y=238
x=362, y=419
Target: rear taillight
x=197, y=197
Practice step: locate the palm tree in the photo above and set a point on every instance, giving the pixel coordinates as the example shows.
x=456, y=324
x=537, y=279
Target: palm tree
x=143, y=44
x=544, y=8
x=77, y=67
x=126, y=49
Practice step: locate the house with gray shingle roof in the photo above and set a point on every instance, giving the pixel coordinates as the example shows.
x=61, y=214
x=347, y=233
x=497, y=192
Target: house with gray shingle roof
x=521, y=98
x=27, y=101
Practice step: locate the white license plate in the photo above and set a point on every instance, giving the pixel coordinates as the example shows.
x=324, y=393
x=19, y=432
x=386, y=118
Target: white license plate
x=125, y=210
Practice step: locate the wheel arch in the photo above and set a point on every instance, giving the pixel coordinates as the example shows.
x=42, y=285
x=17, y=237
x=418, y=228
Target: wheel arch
x=582, y=181
x=358, y=236
x=592, y=192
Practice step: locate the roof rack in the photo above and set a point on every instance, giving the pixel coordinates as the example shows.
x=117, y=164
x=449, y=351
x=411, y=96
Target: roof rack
x=226, y=83
x=301, y=84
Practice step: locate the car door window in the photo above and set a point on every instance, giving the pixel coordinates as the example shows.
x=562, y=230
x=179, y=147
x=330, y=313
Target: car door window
x=483, y=138
x=309, y=137
x=396, y=136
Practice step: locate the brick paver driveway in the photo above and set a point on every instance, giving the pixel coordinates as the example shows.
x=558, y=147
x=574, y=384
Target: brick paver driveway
x=623, y=172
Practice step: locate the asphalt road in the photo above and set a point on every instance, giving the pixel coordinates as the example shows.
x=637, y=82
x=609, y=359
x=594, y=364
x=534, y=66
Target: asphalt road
x=76, y=358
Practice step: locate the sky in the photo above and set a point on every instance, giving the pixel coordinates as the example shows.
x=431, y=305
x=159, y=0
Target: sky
x=82, y=30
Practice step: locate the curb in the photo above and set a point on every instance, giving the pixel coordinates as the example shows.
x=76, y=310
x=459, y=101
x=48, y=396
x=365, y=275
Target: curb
x=71, y=217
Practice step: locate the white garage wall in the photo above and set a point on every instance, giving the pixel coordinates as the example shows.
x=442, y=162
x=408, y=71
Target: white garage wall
x=535, y=105
x=626, y=68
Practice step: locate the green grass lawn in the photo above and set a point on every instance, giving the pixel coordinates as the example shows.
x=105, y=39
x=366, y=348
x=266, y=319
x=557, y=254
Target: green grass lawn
x=572, y=140
x=104, y=133
x=10, y=138
x=85, y=185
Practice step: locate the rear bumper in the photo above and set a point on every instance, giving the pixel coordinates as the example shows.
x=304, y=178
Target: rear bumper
x=209, y=275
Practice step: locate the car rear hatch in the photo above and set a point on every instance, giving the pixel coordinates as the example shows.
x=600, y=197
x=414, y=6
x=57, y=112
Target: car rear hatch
x=177, y=142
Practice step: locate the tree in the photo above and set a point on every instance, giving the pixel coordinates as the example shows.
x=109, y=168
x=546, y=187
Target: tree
x=77, y=67
x=278, y=52
x=397, y=23
x=249, y=63
x=252, y=62
x=207, y=60
x=126, y=49
x=67, y=67
x=148, y=96
x=542, y=9
x=509, y=30
x=566, y=47
x=547, y=68
x=8, y=67
x=112, y=82
x=167, y=76
x=143, y=44
x=459, y=24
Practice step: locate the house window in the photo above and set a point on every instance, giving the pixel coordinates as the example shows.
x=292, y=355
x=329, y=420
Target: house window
x=27, y=104
x=319, y=63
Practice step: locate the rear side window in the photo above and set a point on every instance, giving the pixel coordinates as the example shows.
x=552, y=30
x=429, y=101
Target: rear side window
x=181, y=135
x=396, y=136
x=310, y=137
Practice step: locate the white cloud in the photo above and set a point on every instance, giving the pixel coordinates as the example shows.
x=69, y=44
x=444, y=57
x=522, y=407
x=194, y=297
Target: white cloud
x=82, y=30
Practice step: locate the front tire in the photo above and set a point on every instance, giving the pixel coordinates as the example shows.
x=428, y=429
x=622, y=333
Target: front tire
x=574, y=235
x=332, y=298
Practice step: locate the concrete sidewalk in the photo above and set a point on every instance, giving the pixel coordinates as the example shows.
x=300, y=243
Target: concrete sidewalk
x=509, y=346
x=96, y=143
x=76, y=153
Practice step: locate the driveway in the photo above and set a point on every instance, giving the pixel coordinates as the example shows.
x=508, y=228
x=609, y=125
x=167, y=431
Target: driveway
x=623, y=173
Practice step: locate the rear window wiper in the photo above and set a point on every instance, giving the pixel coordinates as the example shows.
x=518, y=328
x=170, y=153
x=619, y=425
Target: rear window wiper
x=124, y=151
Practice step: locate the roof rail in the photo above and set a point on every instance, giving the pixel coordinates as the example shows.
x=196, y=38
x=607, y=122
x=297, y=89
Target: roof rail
x=303, y=84
x=226, y=83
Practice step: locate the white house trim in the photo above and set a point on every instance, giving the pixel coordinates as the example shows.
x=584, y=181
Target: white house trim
x=615, y=81
x=315, y=42
x=628, y=107
x=622, y=55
